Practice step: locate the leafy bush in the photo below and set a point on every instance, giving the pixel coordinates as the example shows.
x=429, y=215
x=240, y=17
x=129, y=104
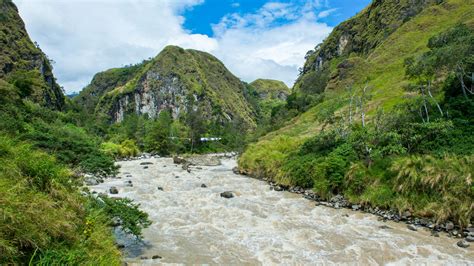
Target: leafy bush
x=127, y=148
x=131, y=219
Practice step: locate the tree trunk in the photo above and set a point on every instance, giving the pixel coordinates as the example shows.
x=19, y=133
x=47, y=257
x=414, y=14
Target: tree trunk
x=431, y=95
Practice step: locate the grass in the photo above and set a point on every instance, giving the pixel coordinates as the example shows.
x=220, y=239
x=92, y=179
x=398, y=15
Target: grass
x=385, y=70
x=43, y=218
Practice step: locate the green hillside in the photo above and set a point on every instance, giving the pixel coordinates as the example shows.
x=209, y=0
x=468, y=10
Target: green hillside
x=372, y=55
x=176, y=79
x=23, y=63
x=271, y=89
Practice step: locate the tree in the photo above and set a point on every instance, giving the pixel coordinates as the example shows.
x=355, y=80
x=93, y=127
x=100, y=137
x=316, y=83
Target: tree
x=158, y=135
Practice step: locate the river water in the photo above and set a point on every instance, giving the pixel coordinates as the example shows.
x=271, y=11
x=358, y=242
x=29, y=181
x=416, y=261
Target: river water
x=194, y=225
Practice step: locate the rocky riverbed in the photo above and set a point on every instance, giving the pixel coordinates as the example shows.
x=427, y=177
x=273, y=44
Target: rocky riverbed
x=204, y=213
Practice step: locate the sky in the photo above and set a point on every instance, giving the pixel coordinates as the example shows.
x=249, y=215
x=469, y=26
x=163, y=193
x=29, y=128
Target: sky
x=254, y=38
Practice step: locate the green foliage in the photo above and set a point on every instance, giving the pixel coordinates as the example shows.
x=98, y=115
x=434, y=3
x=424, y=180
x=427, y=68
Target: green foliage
x=126, y=149
x=447, y=181
x=23, y=64
x=42, y=219
x=159, y=136
x=132, y=220
x=72, y=145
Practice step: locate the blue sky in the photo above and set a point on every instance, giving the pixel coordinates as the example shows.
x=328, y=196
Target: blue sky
x=253, y=38
x=200, y=18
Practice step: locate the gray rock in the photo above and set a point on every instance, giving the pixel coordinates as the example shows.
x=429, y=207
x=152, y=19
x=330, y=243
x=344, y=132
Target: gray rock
x=227, y=194
x=91, y=181
x=113, y=190
x=434, y=233
x=203, y=185
x=463, y=244
x=355, y=207
x=160, y=188
x=235, y=170
x=385, y=227
x=178, y=160
x=143, y=257
x=145, y=167
x=449, y=226
x=470, y=238
x=412, y=227
x=278, y=188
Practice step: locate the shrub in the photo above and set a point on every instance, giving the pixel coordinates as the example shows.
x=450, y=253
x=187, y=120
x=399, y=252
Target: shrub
x=131, y=218
x=42, y=215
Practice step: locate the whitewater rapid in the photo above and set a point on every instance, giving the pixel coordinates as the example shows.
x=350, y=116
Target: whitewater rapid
x=195, y=225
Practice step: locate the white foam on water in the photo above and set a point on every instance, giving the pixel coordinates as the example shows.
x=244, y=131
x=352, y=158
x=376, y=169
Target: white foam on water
x=194, y=225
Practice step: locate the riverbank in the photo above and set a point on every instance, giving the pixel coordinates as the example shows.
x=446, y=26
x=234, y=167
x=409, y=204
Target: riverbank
x=258, y=225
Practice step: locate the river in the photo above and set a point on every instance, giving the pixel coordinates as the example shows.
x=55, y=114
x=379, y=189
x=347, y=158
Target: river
x=195, y=225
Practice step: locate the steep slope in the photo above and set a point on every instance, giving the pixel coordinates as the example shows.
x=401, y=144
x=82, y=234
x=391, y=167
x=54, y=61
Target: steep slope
x=361, y=61
x=269, y=89
x=104, y=82
x=382, y=69
x=177, y=79
x=23, y=64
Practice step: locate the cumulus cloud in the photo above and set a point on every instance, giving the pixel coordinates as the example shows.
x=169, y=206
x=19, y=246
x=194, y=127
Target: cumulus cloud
x=270, y=43
x=84, y=37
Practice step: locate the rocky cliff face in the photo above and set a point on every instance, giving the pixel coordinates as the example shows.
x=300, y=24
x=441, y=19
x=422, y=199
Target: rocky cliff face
x=21, y=59
x=178, y=80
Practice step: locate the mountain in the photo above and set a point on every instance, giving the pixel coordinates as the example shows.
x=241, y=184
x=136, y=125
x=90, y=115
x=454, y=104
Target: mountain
x=269, y=89
x=178, y=80
x=381, y=92
x=23, y=64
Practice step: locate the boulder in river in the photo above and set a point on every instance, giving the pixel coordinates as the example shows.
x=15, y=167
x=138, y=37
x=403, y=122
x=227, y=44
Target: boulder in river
x=91, y=181
x=236, y=170
x=154, y=257
x=227, y=194
x=470, y=238
x=463, y=244
x=145, y=167
x=113, y=190
x=412, y=227
x=178, y=160
x=146, y=163
x=278, y=188
x=160, y=188
x=203, y=185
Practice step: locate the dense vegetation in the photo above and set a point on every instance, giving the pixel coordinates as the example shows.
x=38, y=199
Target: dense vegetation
x=44, y=218
x=390, y=126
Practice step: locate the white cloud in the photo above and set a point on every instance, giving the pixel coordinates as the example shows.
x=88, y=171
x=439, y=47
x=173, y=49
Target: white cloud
x=85, y=36
x=260, y=46
x=326, y=13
